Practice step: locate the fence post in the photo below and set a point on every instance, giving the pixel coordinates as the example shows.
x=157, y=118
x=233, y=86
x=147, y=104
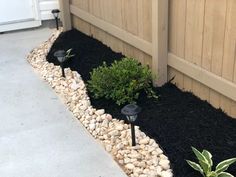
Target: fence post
x=65, y=14
x=159, y=41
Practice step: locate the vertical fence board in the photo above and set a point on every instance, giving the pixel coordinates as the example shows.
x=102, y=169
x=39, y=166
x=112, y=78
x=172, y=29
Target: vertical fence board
x=94, y=7
x=180, y=28
x=225, y=104
x=233, y=109
x=117, y=13
x=194, y=30
x=214, y=98
x=230, y=42
x=172, y=26
x=193, y=40
x=214, y=29
x=213, y=42
x=146, y=19
x=130, y=16
x=180, y=37
x=130, y=24
x=188, y=83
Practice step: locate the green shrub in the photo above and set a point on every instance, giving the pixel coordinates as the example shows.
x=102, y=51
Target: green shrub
x=206, y=163
x=68, y=54
x=121, y=82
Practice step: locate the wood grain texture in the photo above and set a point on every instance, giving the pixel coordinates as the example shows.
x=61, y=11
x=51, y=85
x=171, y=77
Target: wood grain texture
x=81, y=25
x=113, y=30
x=159, y=41
x=65, y=14
x=203, y=76
x=194, y=30
x=201, y=32
x=230, y=42
x=210, y=43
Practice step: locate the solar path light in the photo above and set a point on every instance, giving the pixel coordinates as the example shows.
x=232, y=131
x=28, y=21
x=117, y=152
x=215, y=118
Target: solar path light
x=55, y=13
x=131, y=112
x=61, y=57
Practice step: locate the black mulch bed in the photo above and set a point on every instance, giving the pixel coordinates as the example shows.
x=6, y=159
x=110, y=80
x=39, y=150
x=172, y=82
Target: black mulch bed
x=177, y=121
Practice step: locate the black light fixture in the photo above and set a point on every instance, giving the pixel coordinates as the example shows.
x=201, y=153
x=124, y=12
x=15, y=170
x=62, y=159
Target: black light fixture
x=131, y=112
x=55, y=13
x=61, y=57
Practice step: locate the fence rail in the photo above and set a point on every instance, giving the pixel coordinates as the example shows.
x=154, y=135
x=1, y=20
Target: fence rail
x=115, y=31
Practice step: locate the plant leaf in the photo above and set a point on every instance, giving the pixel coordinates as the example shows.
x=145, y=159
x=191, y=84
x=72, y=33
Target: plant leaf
x=224, y=165
x=208, y=156
x=199, y=155
x=122, y=81
x=205, y=166
x=224, y=174
x=69, y=50
x=202, y=160
x=212, y=174
x=195, y=166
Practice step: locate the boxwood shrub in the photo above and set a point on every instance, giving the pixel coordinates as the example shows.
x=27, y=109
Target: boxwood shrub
x=121, y=82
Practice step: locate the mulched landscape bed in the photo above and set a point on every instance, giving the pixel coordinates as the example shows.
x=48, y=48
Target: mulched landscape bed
x=177, y=120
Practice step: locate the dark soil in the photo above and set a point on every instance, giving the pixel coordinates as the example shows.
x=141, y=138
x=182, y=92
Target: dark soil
x=177, y=121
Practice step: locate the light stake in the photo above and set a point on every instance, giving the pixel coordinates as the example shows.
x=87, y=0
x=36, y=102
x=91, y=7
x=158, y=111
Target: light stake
x=61, y=57
x=55, y=13
x=131, y=112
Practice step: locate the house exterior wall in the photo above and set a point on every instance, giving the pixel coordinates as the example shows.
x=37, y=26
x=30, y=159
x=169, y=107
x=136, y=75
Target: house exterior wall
x=46, y=7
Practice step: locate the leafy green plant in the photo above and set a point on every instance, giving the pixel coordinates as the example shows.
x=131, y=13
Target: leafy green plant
x=68, y=54
x=121, y=82
x=205, y=164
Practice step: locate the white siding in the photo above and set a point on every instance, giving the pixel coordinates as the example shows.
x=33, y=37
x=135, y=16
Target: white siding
x=22, y=14
x=46, y=7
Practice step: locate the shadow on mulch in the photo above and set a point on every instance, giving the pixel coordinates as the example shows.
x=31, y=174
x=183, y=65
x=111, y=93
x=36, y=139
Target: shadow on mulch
x=177, y=121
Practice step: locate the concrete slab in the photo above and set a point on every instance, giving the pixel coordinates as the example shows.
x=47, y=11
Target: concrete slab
x=38, y=136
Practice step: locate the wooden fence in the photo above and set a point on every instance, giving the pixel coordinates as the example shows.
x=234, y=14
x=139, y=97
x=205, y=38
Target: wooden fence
x=201, y=37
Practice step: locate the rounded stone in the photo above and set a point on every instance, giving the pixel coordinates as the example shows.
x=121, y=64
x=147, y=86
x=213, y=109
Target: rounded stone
x=165, y=164
x=144, y=141
x=166, y=174
x=92, y=126
x=100, y=112
x=129, y=166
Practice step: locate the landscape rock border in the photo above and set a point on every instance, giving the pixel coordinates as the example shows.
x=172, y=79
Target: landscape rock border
x=144, y=160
